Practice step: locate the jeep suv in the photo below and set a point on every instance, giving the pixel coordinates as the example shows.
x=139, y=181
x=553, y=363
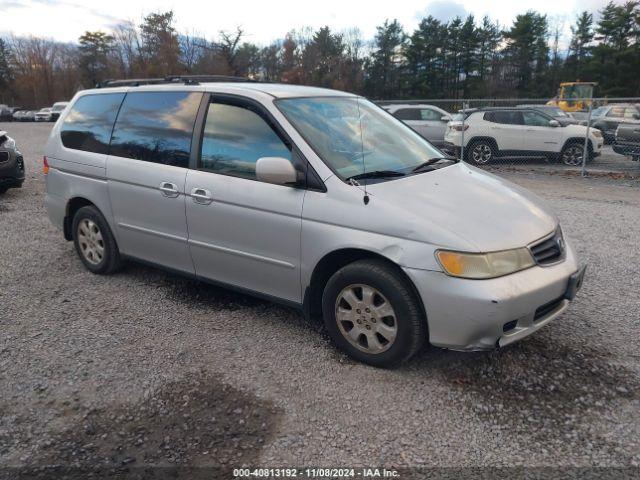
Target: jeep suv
x=311, y=197
x=525, y=132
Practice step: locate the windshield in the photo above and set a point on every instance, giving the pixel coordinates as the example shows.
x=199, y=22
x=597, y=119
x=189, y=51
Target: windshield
x=354, y=136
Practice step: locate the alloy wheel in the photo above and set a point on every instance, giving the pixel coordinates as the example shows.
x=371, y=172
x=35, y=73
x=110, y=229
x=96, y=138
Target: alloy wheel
x=366, y=319
x=90, y=241
x=572, y=155
x=481, y=153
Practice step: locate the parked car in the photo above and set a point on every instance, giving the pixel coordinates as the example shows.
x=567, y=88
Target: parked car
x=428, y=120
x=627, y=141
x=24, y=116
x=489, y=133
x=11, y=164
x=44, y=115
x=608, y=117
x=57, y=109
x=312, y=197
x=5, y=113
x=564, y=118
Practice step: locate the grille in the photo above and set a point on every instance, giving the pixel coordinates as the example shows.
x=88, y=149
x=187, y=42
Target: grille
x=550, y=250
x=4, y=156
x=547, y=308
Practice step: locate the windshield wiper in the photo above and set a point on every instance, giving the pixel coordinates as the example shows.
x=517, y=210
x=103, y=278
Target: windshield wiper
x=376, y=174
x=430, y=162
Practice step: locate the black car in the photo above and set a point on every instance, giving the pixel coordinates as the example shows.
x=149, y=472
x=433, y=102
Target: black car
x=11, y=164
x=607, y=118
x=627, y=141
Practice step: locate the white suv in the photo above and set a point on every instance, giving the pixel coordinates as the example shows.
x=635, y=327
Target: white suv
x=495, y=132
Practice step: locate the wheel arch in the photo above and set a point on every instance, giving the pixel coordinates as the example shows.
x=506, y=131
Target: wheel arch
x=73, y=205
x=335, y=260
x=477, y=138
x=578, y=140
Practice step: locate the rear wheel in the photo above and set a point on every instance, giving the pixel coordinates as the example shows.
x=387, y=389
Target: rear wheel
x=3, y=190
x=572, y=154
x=480, y=152
x=94, y=241
x=373, y=314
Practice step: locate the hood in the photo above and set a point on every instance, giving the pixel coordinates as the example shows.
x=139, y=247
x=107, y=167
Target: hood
x=564, y=121
x=463, y=207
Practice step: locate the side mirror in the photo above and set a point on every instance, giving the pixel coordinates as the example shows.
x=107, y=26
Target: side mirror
x=277, y=170
x=446, y=118
x=554, y=123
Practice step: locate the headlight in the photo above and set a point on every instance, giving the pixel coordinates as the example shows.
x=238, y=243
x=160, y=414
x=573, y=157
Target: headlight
x=596, y=133
x=484, y=265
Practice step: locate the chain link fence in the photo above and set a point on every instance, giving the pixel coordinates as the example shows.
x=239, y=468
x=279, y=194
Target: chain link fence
x=581, y=136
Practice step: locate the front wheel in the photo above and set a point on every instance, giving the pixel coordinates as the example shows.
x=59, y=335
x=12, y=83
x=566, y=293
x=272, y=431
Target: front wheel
x=373, y=314
x=572, y=155
x=480, y=152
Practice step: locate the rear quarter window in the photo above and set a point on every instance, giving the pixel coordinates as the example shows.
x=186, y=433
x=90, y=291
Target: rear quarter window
x=88, y=124
x=156, y=127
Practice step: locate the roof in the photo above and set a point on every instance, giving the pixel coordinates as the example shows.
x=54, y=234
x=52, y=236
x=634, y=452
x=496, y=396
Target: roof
x=284, y=90
x=277, y=90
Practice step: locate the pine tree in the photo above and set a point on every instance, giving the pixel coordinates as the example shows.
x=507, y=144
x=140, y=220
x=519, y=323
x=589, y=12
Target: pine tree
x=94, y=52
x=383, y=79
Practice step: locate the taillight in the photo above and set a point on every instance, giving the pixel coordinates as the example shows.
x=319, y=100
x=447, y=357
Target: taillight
x=460, y=128
x=45, y=165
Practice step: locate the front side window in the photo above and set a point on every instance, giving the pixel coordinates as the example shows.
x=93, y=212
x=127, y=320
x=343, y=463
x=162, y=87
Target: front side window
x=156, y=127
x=428, y=114
x=616, y=112
x=534, y=119
x=353, y=136
x=630, y=112
x=235, y=137
x=88, y=124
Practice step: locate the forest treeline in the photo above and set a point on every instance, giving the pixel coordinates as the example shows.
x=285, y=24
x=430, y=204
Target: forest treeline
x=464, y=57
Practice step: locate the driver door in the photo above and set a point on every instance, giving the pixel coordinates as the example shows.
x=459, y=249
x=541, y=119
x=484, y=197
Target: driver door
x=242, y=231
x=539, y=136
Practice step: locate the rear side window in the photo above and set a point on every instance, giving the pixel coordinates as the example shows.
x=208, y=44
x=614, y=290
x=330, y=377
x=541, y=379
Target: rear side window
x=88, y=124
x=408, y=114
x=156, y=127
x=504, y=117
x=235, y=137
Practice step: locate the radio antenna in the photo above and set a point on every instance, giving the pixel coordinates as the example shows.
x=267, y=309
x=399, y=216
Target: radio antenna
x=365, y=199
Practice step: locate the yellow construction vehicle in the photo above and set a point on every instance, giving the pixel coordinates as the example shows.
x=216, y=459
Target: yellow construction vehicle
x=574, y=96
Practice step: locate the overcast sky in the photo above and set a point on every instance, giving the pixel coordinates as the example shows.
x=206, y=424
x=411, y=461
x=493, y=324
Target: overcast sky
x=265, y=20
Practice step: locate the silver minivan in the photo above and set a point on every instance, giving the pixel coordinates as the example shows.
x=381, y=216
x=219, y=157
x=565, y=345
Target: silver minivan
x=311, y=197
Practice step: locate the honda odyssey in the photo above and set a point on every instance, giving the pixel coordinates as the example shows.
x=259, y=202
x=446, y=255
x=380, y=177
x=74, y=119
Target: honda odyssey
x=311, y=197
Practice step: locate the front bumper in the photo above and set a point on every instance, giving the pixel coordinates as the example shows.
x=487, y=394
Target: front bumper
x=467, y=314
x=11, y=168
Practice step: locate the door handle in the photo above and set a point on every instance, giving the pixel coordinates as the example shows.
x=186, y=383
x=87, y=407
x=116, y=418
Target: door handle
x=200, y=195
x=168, y=189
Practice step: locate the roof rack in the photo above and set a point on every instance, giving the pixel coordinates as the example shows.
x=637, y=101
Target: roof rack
x=185, y=79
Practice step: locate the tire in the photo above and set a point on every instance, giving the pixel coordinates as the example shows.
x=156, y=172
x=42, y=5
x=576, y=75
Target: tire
x=94, y=241
x=3, y=190
x=480, y=152
x=381, y=323
x=571, y=154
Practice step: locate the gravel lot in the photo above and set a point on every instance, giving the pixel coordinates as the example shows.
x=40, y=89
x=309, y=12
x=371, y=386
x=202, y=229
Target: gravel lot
x=145, y=368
